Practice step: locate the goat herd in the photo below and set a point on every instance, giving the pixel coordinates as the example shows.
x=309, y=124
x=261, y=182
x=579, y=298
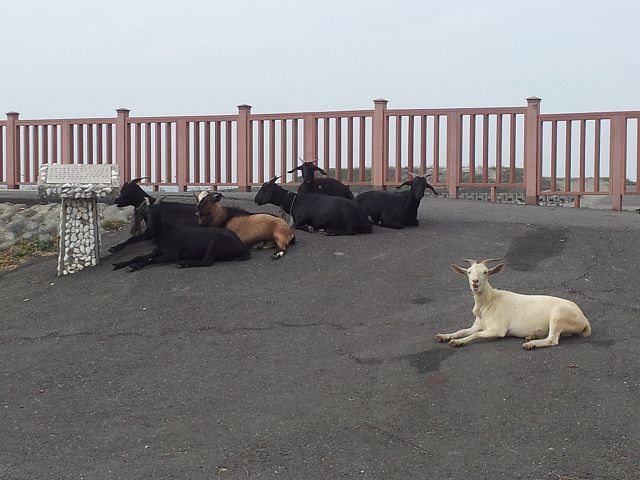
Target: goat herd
x=211, y=232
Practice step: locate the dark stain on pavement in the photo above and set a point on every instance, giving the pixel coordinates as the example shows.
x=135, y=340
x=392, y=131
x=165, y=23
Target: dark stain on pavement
x=536, y=245
x=421, y=300
x=427, y=361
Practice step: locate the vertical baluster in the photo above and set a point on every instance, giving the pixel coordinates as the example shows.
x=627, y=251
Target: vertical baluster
x=512, y=148
x=26, y=134
x=362, y=149
x=567, y=158
x=472, y=149
x=398, y=173
x=55, y=157
x=410, y=143
x=325, y=153
x=2, y=177
x=80, y=144
x=637, y=154
x=283, y=146
x=218, y=152
x=436, y=148
x=138, y=151
x=583, y=131
x=90, y=155
x=250, y=162
x=423, y=145
x=207, y=152
x=499, y=148
x=157, y=178
x=196, y=152
x=596, y=157
x=350, y=149
x=35, y=146
x=338, y=148
x=99, y=145
x=228, y=150
x=109, y=141
x=485, y=148
x=554, y=155
x=147, y=151
x=294, y=141
x=45, y=145
x=168, y=153
x=272, y=149
x=261, y=153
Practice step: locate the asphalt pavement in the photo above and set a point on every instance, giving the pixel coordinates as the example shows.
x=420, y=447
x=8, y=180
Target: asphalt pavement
x=324, y=364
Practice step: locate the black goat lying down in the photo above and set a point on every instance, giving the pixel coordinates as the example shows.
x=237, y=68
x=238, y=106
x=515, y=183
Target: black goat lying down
x=396, y=209
x=328, y=186
x=187, y=245
x=131, y=194
x=314, y=211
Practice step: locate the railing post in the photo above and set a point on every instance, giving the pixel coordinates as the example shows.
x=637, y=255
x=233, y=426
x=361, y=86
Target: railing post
x=182, y=154
x=310, y=139
x=454, y=152
x=379, y=143
x=242, y=137
x=122, y=144
x=65, y=142
x=531, y=150
x=12, y=141
x=618, y=156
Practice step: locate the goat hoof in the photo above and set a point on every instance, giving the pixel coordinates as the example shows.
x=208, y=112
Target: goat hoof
x=456, y=343
x=441, y=338
x=277, y=255
x=528, y=346
x=117, y=266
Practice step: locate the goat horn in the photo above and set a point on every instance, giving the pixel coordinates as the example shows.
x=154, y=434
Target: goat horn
x=484, y=262
x=160, y=199
x=273, y=180
x=137, y=180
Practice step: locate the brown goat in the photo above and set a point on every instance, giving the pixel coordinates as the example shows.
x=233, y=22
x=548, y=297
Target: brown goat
x=252, y=228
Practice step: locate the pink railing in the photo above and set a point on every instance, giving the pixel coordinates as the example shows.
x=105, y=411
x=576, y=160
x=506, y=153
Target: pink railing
x=514, y=148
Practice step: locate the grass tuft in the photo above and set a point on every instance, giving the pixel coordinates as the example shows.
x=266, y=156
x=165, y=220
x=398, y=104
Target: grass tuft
x=25, y=249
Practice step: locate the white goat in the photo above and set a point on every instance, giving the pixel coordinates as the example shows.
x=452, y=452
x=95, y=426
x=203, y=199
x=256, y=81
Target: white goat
x=501, y=313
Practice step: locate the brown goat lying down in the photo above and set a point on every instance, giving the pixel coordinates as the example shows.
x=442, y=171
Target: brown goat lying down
x=252, y=228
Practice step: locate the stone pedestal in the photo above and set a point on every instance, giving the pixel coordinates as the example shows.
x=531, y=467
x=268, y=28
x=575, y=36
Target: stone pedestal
x=79, y=187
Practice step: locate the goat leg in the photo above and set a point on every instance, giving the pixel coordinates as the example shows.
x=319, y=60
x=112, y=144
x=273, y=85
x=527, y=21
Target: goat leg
x=445, y=337
x=149, y=261
x=461, y=342
x=134, y=239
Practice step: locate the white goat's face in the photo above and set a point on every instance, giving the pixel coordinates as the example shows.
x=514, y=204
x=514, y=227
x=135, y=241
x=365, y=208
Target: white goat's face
x=478, y=273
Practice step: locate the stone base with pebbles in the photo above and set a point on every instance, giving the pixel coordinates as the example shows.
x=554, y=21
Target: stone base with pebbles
x=79, y=235
x=79, y=187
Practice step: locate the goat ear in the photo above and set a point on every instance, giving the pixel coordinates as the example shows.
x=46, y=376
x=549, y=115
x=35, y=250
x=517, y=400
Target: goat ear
x=407, y=183
x=320, y=170
x=458, y=269
x=496, y=269
x=273, y=180
x=216, y=196
x=293, y=169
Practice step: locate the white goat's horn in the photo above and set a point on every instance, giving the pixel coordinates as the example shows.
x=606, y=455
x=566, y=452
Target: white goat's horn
x=484, y=262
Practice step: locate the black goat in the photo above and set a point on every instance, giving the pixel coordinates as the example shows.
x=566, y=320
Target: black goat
x=131, y=194
x=396, y=209
x=189, y=246
x=314, y=211
x=328, y=186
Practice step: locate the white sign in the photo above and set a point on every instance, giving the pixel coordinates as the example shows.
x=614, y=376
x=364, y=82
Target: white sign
x=58, y=173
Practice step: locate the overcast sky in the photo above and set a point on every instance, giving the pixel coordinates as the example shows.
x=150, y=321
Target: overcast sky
x=63, y=58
